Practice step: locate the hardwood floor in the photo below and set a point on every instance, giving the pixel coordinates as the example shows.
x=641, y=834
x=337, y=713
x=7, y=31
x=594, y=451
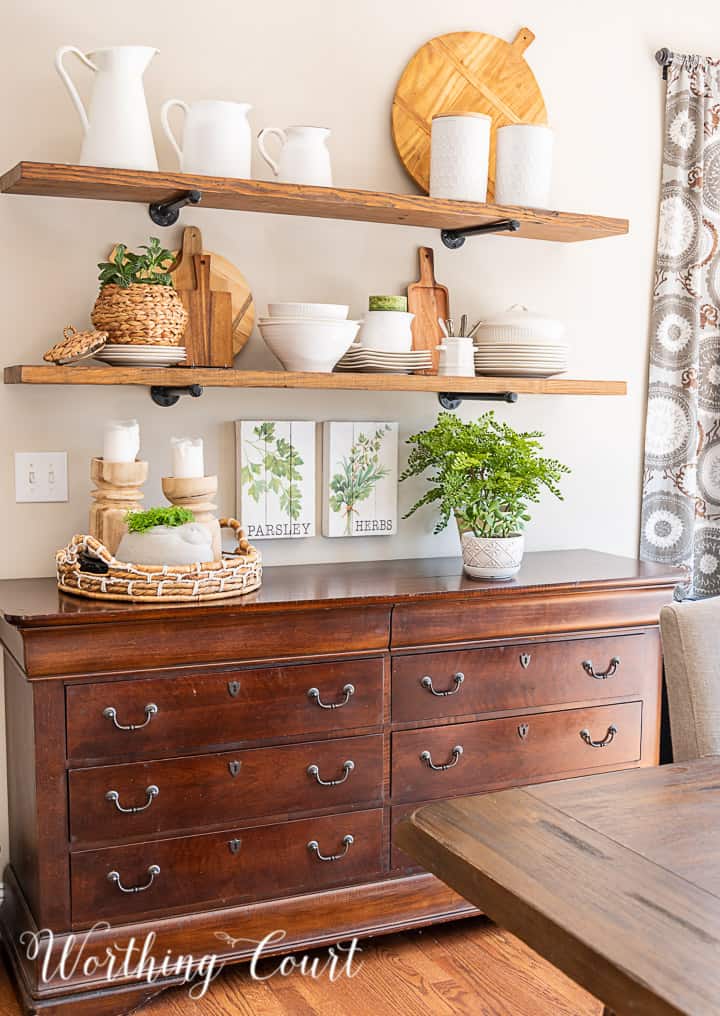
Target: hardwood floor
x=468, y=967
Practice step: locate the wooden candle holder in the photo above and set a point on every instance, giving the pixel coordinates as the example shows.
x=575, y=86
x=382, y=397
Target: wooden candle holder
x=196, y=493
x=117, y=491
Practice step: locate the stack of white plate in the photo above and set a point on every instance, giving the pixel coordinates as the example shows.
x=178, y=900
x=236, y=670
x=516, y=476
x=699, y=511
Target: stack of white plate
x=373, y=361
x=518, y=343
x=521, y=360
x=141, y=355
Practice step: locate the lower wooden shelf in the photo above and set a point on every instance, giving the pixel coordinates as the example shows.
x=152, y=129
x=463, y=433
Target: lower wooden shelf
x=212, y=377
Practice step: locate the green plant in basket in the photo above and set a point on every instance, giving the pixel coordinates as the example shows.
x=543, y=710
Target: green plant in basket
x=141, y=522
x=128, y=268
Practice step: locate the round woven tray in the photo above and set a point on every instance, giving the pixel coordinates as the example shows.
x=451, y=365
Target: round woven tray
x=233, y=575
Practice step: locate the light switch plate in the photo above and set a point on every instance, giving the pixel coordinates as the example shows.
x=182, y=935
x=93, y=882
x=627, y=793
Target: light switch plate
x=41, y=476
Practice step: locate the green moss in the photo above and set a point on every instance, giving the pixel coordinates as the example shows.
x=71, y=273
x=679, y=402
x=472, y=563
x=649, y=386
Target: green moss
x=140, y=522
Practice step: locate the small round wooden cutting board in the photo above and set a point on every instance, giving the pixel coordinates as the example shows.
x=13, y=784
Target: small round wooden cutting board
x=463, y=72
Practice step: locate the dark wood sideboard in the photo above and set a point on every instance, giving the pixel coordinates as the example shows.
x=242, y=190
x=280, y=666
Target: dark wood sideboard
x=242, y=764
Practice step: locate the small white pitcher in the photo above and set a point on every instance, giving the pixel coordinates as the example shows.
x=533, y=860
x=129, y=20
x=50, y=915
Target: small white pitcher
x=216, y=137
x=304, y=157
x=116, y=128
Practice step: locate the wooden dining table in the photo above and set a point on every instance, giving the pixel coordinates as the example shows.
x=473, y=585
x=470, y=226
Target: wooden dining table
x=615, y=879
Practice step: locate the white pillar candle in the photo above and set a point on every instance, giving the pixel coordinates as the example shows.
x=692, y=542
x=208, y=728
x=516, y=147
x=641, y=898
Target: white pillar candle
x=187, y=457
x=121, y=441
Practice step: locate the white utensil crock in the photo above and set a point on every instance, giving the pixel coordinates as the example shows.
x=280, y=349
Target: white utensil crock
x=304, y=157
x=523, y=165
x=459, y=156
x=456, y=357
x=216, y=137
x=388, y=331
x=116, y=129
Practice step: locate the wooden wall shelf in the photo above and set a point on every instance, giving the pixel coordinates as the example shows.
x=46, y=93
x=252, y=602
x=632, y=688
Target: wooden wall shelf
x=213, y=377
x=52, y=180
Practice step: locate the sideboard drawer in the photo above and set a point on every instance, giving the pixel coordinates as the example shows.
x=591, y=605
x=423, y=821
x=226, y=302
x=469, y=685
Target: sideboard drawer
x=172, y=795
x=236, y=865
x=233, y=707
x=492, y=753
x=429, y=686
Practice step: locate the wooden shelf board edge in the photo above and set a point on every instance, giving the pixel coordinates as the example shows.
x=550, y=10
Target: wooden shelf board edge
x=99, y=183
x=213, y=377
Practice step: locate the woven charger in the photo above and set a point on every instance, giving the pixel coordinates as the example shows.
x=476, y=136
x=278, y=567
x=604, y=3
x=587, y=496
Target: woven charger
x=75, y=346
x=233, y=575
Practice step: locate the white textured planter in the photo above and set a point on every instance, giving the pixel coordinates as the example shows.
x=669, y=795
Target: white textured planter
x=492, y=558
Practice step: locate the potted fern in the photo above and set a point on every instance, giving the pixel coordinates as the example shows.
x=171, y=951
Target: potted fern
x=137, y=303
x=485, y=474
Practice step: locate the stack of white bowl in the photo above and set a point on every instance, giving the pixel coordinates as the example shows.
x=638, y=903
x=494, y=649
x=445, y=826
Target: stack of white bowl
x=518, y=343
x=308, y=336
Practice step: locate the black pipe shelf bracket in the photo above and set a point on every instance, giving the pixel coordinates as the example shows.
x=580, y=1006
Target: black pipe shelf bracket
x=455, y=238
x=453, y=400
x=166, y=213
x=165, y=396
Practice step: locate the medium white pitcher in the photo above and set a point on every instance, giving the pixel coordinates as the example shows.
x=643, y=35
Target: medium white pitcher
x=216, y=137
x=304, y=157
x=117, y=127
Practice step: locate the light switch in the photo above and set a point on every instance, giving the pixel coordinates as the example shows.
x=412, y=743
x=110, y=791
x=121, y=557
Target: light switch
x=41, y=476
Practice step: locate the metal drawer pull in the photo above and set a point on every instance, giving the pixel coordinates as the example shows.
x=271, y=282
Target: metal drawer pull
x=314, y=771
x=314, y=848
x=314, y=694
x=111, y=714
x=611, y=732
x=153, y=871
x=151, y=792
x=457, y=678
x=602, y=675
x=426, y=757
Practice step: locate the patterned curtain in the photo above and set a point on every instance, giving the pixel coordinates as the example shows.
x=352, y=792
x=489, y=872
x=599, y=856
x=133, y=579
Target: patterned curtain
x=681, y=480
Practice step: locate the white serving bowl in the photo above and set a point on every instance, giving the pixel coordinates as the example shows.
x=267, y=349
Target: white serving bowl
x=314, y=346
x=333, y=311
x=388, y=331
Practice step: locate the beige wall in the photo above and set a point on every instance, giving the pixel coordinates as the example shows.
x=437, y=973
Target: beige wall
x=337, y=64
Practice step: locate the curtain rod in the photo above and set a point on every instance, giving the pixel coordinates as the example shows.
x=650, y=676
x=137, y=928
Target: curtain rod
x=665, y=57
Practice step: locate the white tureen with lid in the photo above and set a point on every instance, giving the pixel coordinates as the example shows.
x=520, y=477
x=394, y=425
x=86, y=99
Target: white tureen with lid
x=519, y=325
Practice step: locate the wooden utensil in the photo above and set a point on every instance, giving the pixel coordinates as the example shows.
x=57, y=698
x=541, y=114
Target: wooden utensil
x=428, y=301
x=224, y=277
x=463, y=72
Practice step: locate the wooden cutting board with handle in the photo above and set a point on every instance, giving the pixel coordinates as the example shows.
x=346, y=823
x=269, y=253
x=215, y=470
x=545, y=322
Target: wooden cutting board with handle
x=463, y=72
x=224, y=277
x=428, y=301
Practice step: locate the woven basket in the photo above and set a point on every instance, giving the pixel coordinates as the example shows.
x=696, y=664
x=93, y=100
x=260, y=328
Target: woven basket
x=234, y=574
x=140, y=314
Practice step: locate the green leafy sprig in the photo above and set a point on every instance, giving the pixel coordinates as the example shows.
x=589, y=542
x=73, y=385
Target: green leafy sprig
x=128, y=268
x=357, y=475
x=277, y=471
x=140, y=522
x=484, y=473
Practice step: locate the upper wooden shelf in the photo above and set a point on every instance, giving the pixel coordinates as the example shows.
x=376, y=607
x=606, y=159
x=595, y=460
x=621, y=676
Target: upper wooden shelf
x=52, y=180
x=181, y=377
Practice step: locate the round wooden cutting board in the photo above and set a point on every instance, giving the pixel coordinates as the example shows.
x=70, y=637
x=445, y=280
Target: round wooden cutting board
x=464, y=72
x=228, y=278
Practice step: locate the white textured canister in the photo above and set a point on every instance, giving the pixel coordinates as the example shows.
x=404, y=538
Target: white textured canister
x=523, y=165
x=459, y=156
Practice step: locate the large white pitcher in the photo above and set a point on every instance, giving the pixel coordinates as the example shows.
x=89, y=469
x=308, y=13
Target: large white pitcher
x=117, y=126
x=216, y=137
x=304, y=157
